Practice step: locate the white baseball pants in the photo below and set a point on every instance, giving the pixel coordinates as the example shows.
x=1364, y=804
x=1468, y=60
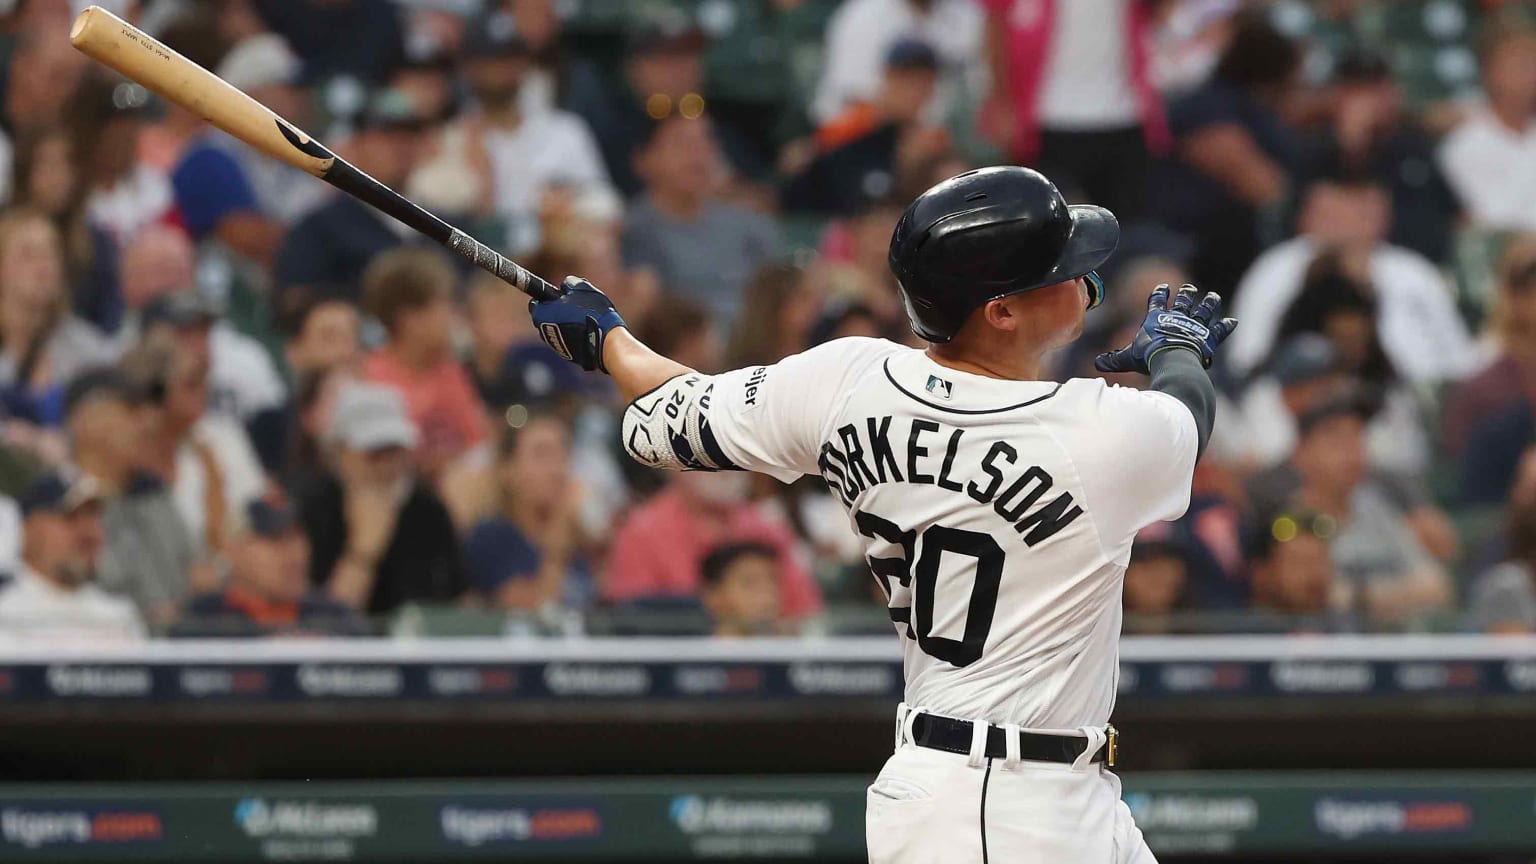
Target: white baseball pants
x=932, y=806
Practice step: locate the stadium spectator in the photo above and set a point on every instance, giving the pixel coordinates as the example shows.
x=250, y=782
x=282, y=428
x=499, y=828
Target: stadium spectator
x=1156, y=581
x=530, y=153
x=1490, y=158
x=1370, y=138
x=1336, y=305
x=1509, y=379
x=776, y=318
x=48, y=181
x=1378, y=554
x=1234, y=154
x=1293, y=575
x=1261, y=430
x=122, y=195
x=205, y=458
x=1420, y=329
x=498, y=323
x=529, y=555
x=263, y=66
x=244, y=382
x=739, y=588
x=268, y=591
x=1503, y=599
x=1073, y=94
x=54, y=597
x=42, y=345
x=663, y=76
x=328, y=250
x=323, y=334
x=686, y=329
x=866, y=149
x=700, y=246
x=861, y=33
x=410, y=292
x=42, y=74
x=659, y=548
x=379, y=537
x=150, y=555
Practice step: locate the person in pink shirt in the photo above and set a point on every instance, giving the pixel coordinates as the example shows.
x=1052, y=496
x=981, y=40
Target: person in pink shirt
x=660, y=549
x=410, y=292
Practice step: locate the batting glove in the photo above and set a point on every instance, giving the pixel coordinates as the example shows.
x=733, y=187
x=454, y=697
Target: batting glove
x=576, y=322
x=1187, y=325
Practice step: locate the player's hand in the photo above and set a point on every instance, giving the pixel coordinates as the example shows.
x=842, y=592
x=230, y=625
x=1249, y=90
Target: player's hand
x=575, y=323
x=1187, y=325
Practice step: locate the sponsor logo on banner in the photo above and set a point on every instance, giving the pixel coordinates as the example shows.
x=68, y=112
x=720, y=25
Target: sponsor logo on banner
x=351, y=681
x=1192, y=823
x=1302, y=676
x=1521, y=674
x=585, y=679
x=470, y=680
x=39, y=828
x=100, y=681
x=1193, y=677
x=727, y=827
x=481, y=826
x=1349, y=819
x=706, y=680
x=202, y=682
x=843, y=679
x=306, y=830
x=1437, y=676
x=1191, y=812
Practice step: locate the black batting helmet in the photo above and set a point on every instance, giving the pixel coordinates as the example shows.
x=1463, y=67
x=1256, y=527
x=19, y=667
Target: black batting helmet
x=989, y=233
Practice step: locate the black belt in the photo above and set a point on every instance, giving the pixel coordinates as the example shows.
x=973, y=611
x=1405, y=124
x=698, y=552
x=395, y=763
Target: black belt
x=954, y=736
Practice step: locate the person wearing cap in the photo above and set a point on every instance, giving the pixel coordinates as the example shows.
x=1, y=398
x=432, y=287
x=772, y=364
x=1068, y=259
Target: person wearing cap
x=1260, y=430
x=268, y=592
x=867, y=148
x=123, y=195
x=1370, y=136
x=53, y=596
x=327, y=250
x=151, y=556
x=1378, y=551
x=530, y=151
x=862, y=31
x=264, y=67
x=380, y=537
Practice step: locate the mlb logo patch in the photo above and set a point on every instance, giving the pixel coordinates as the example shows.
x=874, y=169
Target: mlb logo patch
x=939, y=387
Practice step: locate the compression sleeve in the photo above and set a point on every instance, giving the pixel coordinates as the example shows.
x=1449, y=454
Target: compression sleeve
x=1177, y=372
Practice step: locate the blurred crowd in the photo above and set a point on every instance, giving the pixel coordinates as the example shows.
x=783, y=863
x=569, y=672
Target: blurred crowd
x=238, y=403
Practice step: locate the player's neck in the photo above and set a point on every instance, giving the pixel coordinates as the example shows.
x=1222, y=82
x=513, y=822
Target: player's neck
x=1019, y=366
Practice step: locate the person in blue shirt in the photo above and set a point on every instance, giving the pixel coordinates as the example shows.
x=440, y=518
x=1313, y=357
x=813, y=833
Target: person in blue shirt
x=528, y=555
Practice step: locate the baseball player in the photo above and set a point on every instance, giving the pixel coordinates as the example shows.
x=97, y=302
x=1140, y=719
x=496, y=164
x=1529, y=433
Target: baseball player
x=997, y=508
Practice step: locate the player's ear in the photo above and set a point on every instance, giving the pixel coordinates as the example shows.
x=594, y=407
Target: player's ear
x=1001, y=314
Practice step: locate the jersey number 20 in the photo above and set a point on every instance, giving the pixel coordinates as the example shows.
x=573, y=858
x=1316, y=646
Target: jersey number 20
x=936, y=540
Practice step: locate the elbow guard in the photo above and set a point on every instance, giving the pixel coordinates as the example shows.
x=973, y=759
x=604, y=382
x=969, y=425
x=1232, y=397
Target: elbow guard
x=669, y=427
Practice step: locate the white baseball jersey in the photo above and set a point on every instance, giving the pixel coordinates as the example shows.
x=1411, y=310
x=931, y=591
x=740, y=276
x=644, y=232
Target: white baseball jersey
x=997, y=515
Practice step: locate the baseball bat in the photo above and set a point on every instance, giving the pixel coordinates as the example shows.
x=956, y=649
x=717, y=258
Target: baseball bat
x=115, y=43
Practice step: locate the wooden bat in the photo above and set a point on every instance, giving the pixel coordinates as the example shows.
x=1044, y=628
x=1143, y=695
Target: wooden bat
x=119, y=45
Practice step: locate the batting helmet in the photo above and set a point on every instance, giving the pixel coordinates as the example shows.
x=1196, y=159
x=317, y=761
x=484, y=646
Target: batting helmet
x=987, y=234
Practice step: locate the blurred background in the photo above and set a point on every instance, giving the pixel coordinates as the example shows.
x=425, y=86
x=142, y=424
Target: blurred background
x=313, y=551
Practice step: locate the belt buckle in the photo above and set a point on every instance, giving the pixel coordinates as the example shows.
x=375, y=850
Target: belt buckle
x=1112, y=745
